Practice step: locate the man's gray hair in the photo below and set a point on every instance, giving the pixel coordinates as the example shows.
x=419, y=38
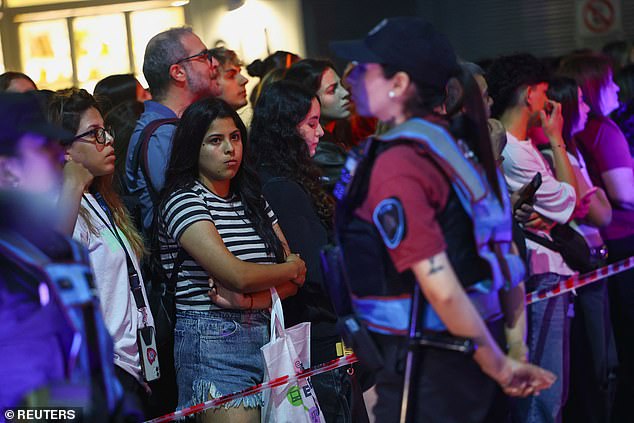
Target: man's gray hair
x=162, y=51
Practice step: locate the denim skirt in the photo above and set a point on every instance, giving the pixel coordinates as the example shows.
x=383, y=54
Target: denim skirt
x=217, y=352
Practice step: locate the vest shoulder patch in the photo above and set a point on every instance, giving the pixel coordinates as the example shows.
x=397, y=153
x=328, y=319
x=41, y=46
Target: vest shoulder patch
x=389, y=219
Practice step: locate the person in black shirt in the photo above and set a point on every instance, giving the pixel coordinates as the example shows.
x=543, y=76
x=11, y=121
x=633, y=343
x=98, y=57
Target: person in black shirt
x=285, y=132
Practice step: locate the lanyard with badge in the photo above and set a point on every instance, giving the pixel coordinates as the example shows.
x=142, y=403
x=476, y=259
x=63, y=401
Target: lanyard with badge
x=146, y=336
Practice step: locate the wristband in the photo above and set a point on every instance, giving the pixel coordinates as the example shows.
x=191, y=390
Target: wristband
x=251, y=303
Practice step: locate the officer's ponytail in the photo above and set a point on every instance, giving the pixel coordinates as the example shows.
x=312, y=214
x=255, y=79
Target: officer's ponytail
x=460, y=104
x=467, y=119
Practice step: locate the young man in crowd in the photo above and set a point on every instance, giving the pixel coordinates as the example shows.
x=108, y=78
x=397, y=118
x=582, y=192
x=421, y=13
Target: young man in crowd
x=230, y=79
x=517, y=85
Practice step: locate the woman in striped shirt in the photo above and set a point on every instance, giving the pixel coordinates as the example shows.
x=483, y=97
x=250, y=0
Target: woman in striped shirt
x=213, y=211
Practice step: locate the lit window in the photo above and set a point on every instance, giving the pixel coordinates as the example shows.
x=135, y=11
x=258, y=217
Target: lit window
x=101, y=45
x=161, y=19
x=1, y=58
x=23, y=3
x=45, y=53
x=101, y=48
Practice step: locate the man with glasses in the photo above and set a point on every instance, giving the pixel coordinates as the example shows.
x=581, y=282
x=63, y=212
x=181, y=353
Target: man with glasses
x=179, y=71
x=518, y=85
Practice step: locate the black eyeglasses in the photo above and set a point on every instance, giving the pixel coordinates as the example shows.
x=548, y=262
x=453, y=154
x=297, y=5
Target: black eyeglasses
x=204, y=53
x=102, y=137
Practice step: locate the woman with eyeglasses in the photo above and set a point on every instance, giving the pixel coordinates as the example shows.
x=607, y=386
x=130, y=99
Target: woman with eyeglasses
x=94, y=215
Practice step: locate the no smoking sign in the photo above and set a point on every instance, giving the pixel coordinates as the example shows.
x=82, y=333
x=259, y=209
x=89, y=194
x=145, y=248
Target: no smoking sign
x=598, y=17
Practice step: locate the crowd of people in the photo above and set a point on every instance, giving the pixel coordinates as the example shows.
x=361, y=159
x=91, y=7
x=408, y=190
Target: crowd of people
x=418, y=165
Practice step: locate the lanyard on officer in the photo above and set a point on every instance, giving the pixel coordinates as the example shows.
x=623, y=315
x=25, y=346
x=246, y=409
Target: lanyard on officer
x=133, y=276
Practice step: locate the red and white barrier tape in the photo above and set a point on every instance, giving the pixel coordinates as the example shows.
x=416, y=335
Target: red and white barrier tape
x=569, y=284
x=319, y=369
x=578, y=281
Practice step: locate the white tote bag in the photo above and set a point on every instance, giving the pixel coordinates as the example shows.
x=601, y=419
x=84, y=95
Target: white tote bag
x=287, y=353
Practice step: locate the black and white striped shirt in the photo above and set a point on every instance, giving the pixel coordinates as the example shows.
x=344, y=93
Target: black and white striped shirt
x=197, y=203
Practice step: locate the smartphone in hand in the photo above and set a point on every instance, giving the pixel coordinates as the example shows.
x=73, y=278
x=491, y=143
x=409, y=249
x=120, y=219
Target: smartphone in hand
x=527, y=193
x=548, y=108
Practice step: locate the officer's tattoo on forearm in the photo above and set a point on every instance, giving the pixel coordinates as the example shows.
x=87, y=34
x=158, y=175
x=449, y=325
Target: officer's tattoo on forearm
x=435, y=267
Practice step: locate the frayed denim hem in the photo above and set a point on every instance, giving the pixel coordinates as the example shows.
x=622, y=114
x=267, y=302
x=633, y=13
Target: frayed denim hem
x=203, y=390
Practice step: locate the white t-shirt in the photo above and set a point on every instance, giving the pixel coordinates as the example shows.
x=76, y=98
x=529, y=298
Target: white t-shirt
x=591, y=233
x=108, y=261
x=554, y=199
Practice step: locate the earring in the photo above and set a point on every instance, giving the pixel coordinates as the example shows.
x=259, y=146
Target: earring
x=391, y=94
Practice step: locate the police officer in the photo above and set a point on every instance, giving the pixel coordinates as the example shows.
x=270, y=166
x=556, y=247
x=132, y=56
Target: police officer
x=416, y=205
x=54, y=347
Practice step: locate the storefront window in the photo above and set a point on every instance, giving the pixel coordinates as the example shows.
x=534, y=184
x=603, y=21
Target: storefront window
x=2, y=69
x=24, y=3
x=45, y=53
x=101, y=48
x=161, y=19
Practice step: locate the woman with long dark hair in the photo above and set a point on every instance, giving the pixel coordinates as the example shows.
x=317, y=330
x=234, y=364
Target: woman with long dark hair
x=285, y=132
x=575, y=111
x=212, y=213
x=121, y=100
x=592, y=350
x=117, y=89
x=321, y=79
x=410, y=218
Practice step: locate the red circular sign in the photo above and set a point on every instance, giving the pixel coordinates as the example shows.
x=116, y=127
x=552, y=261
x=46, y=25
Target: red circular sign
x=598, y=15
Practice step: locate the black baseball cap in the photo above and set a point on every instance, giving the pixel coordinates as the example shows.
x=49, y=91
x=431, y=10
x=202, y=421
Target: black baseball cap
x=22, y=114
x=409, y=44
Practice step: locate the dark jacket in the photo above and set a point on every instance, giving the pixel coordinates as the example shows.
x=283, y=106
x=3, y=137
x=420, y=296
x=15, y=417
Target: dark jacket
x=306, y=235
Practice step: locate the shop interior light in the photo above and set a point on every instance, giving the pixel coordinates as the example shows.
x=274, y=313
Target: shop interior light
x=235, y=4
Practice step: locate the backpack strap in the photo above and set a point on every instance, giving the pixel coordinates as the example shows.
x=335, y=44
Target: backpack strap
x=140, y=156
x=180, y=258
x=541, y=240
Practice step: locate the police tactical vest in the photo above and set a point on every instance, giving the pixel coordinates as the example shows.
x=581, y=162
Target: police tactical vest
x=476, y=228
x=67, y=293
